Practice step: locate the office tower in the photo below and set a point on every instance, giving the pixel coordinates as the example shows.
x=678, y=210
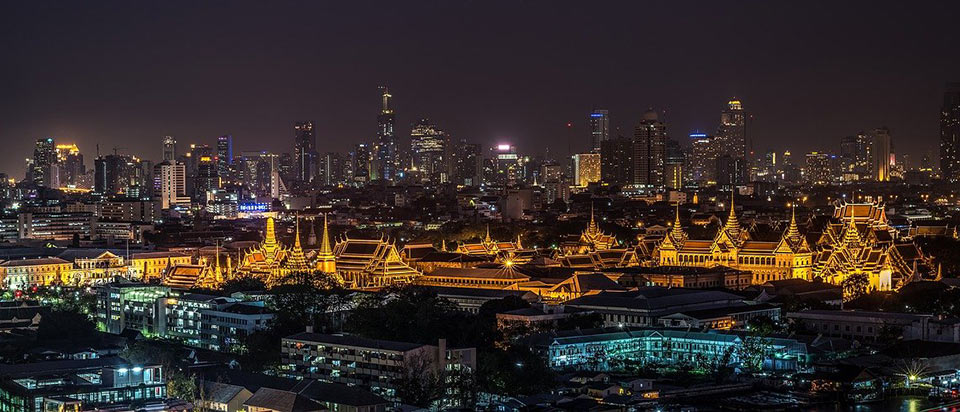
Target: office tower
x=507, y=166
x=856, y=157
x=732, y=135
x=702, y=163
x=768, y=167
x=304, y=151
x=428, y=145
x=361, y=159
x=731, y=170
x=207, y=180
x=71, y=165
x=950, y=133
x=169, y=149
x=468, y=164
x=261, y=174
x=599, y=128
x=121, y=174
x=386, y=150
x=617, y=164
x=819, y=168
x=224, y=155
x=44, y=161
x=673, y=161
x=882, y=154
x=330, y=169
x=170, y=184
x=651, y=138
x=586, y=169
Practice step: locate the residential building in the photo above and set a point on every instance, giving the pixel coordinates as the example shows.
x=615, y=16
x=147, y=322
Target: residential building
x=371, y=364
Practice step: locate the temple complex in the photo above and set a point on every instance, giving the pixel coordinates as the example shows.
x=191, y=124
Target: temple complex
x=790, y=257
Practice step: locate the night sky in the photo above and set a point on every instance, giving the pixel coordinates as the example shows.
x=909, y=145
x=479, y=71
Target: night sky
x=126, y=73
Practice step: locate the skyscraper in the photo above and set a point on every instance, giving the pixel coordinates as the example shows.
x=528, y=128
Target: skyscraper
x=599, y=128
x=882, y=152
x=169, y=149
x=856, y=157
x=224, y=155
x=71, y=164
x=950, y=133
x=673, y=165
x=586, y=169
x=429, y=146
x=304, y=151
x=330, y=169
x=361, y=158
x=651, y=138
x=170, y=184
x=386, y=149
x=617, y=163
x=469, y=164
x=703, y=160
x=732, y=136
x=44, y=163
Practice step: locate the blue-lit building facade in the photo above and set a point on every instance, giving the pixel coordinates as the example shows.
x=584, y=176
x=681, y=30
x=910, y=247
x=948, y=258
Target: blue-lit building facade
x=604, y=349
x=78, y=385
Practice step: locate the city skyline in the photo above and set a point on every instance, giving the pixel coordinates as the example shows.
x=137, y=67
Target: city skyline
x=99, y=102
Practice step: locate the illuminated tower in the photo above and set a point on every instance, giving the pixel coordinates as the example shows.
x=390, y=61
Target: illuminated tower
x=732, y=136
x=882, y=152
x=169, y=149
x=950, y=133
x=599, y=128
x=44, y=171
x=304, y=151
x=326, y=261
x=650, y=138
x=386, y=150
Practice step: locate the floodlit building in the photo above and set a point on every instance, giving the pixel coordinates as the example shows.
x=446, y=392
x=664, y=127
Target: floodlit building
x=791, y=257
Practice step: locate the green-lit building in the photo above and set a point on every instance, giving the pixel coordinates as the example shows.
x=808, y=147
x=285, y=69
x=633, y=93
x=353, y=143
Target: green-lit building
x=599, y=349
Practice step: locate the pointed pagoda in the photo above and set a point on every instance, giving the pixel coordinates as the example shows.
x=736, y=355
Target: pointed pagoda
x=265, y=260
x=593, y=239
x=326, y=261
x=297, y=261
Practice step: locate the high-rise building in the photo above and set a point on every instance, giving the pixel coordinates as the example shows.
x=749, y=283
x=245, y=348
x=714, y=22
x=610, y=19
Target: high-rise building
x=224, y=155
x=882, y=154
x=507, y=166
x=304, y=151
x=169, y=149
x=950, y=133
x=702, y=163
x=586, y=169
x=71, y=167
x=207, y=180
x=429, y=148
x=732, y=136
x=599, y=128
x=170, y=184
x=44, y=171
x=651, y=138
x=468, y=165
x=361, y=159
x=330, y=169
x=387, y=148
x=819, y=168
x=856, y=157
x=674, y=159
x=617, y=162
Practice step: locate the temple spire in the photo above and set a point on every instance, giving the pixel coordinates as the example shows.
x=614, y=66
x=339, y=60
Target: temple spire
x=733, y=224
x=326, y=261
x=793, y=232
x=677, y=231
x=325, y=243
x=487, y=239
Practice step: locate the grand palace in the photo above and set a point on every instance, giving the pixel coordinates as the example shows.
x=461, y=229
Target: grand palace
x=858, y=241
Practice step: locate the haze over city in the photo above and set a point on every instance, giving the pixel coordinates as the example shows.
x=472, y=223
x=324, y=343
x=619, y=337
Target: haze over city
x=122, y=74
